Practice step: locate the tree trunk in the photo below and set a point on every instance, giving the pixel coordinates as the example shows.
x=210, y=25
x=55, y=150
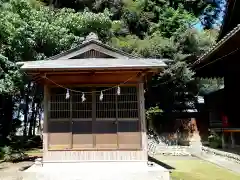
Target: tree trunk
x=25, y=112
x=6, y=118
x=37, y=114
x=30, y=130
x=34, y=123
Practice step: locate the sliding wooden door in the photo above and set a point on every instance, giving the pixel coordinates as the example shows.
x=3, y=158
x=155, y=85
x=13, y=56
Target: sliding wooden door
x=129, y=135
x=59, y=124
x=82, y=131
x=105, y=124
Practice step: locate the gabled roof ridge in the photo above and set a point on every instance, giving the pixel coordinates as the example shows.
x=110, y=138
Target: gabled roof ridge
x=88, y=42
x=217, y=45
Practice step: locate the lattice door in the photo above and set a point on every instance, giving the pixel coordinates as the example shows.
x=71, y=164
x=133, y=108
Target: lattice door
x=105, y=126
x=108, y=123
x=129, y=135
x=59, y=124
x=82, y=120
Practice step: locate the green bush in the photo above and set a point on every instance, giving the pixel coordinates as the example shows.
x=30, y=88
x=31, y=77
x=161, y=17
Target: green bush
x=214, y=140
x=11, y=155
x=151, y=114
x=1, y=153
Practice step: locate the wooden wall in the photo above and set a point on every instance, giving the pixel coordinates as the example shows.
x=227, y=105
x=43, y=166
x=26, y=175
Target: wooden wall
x=97, y=155
x=88, y=77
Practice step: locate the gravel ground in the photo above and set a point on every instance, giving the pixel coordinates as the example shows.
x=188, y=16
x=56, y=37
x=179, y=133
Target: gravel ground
x=12, y=171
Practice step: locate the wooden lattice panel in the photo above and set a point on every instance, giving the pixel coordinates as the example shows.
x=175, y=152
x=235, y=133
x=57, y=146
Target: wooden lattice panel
x=110, y=122
x=106, y=107
x=59, y=105
x=81, y=109
x=127, y=103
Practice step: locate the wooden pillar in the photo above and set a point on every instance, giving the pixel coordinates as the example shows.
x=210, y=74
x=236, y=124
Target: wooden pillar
x=142, y=118
x=45, y=122
x=94, y=116
x=223, y=140
x=232, y=140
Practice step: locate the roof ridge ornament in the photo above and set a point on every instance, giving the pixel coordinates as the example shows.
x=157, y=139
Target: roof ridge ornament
x=90, y=37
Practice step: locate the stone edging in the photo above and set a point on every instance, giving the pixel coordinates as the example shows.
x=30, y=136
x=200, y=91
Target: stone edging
x=173, y=151
x=230, y=156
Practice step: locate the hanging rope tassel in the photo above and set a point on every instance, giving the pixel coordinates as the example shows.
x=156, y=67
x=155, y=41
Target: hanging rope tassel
x=101, y=96
x=83, y=97
x=67, y=94
x=118, y=90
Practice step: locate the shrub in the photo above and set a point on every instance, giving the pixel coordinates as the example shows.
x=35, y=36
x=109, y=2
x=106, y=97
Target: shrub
x=214, y=140
x=1, y=153
x=151, y=114
x=11, y=155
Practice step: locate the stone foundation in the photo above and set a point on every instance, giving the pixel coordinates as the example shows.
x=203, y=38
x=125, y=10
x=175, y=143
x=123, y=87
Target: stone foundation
x=100, y=171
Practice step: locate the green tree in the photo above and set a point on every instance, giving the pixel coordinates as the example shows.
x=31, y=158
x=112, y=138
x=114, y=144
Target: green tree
x=208, y=12
x=31, y=31
x=10, y=83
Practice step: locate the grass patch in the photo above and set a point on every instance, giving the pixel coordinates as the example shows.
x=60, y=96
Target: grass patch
x=189, y=168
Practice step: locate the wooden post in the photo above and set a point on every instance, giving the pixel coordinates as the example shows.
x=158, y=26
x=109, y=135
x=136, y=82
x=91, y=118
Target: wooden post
x=45, y=122
x=116, y=121
x=142, y=118
x=223, y=140
x=71, y=123
x=93, y=115
x=232, y=140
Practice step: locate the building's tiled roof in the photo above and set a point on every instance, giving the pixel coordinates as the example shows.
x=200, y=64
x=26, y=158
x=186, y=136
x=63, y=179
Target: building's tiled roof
x=217, y=45
x=93, y=63
x=70, y=59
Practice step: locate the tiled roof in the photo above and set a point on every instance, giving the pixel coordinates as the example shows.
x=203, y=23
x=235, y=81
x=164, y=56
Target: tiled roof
x=69, y=59
x=93, y=63
x=217, y=45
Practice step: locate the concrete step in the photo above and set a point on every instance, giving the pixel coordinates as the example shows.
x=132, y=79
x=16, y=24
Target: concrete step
x=105, y=176
x=100, y=171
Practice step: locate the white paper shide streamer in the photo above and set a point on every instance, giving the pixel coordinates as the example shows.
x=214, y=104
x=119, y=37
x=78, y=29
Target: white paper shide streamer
x=101, y=96
x=83, y=97
x=118, y=90
x=67, y=94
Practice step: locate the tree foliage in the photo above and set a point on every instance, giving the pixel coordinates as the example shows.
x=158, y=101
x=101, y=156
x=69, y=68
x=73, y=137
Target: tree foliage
x=10, y=77
x=143, y=12
x=31, y=31
x=34, y=30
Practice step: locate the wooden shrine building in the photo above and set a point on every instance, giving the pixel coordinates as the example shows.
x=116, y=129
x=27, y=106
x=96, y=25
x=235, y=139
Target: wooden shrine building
x=222, y=60
x=93, y=103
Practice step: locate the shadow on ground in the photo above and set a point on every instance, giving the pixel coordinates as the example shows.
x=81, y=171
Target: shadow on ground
x=152, y=159
x=1, y=168
x=24, y=168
